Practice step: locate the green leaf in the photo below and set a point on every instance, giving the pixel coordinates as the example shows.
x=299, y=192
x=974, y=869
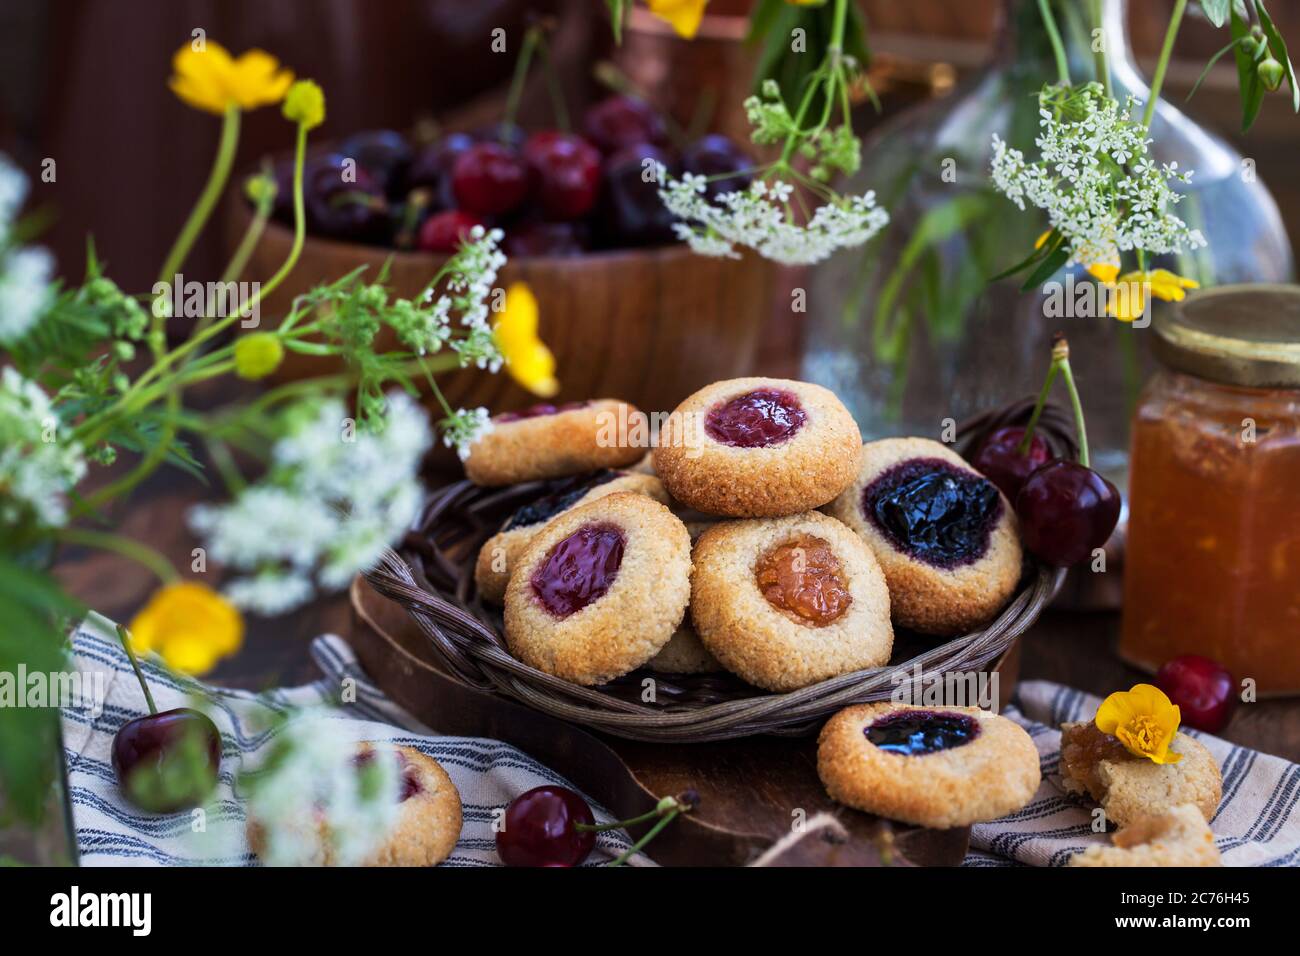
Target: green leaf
x=617, y=9
x=1249, y=87
x=1209, y=66
x=1053, y=262
x=1278, y=46
x=1216, y=11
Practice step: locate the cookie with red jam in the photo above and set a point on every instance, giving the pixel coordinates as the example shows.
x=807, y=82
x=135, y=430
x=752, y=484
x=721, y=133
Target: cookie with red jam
x=786, y=602
x=555, y=441
x=936, y=767
x=501, y=551
x=600, y=590
x=944, y=535
x=758, y=448
x=428, y=821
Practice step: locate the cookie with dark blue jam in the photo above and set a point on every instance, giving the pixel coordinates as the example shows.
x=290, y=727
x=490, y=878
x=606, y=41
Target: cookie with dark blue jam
x=936, y=513
x=919, y=732
x=937, y=766
x=499, y=553
x=943, y=533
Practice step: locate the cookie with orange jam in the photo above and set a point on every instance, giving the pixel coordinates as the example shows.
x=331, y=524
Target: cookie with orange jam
x=944, y=535
x=555, y=441
x=787, y=602
x=501, y=551
x=600, y=590
x=758, y=447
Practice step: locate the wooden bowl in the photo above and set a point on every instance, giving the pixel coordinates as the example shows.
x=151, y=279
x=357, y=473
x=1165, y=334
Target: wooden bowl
x=649, y=326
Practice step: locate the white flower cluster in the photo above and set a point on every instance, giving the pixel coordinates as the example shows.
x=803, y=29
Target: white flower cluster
x=471, y=277
x=37, y=469
x=761, y=219
x=332, y=499
x=25, y=271
x=315, y=795
x=463, y=428
x=1100, y=189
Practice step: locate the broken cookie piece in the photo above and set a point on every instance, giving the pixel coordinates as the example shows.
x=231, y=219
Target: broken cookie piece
x=1178, y=836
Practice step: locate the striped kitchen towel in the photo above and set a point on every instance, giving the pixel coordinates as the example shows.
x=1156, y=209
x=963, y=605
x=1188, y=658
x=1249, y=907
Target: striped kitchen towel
x=1257, y=824
x=111, y=832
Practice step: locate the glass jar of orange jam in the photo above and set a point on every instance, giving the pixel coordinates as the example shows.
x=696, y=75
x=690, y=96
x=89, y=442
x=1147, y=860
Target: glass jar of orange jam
x=1212, y=564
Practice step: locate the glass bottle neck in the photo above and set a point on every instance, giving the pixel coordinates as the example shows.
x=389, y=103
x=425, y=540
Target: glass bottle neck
x=1023, y=39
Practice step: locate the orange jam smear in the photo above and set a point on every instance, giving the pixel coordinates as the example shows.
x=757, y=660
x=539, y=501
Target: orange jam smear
x=1213, y=556
x=803, y=578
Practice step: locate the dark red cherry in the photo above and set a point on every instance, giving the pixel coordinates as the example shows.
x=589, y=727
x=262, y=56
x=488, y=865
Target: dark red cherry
x=566, y=170
x=167, y=761
x=580, y=569
x=999, y=459
x=1203, y=689
x=618, y=121
x=1066, y=511
x=631, y=212
x=490, y=179
x=432, y=167
x=539, y=829
x=384, y=154
x=716, y=155
x=444, y=231
x=757, y=419
x=344, y=201
x=535, y=238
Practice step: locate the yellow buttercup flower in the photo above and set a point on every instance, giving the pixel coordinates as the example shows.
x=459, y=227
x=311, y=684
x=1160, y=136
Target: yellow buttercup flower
x=210, y=79
x=1128, y=300
x=528, y=360
x=1144, y=720
x=189, y=625
x=683, y=16
x=257, y=355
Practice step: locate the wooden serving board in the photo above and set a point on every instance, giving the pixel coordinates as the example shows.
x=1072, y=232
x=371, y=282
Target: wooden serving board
x=754, y=793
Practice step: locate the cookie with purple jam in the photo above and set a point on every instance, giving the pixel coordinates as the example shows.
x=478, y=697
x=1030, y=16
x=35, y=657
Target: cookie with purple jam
x=428, y=820
x=945, y=536
x=600, y=590
x=758, y=448
x=500, y=552
x=555, y=441
x=786, y=602
x=934, y=767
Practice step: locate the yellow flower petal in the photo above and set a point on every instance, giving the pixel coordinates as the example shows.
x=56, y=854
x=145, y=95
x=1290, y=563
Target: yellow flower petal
x=1038, y=243
x=528, y=360
x=1144, y=720
x=1104, y=272
x=188, y=621
x=683, y=15
x=210, y=80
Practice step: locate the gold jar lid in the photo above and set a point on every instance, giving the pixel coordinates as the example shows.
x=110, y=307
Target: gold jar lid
x=1236, y=334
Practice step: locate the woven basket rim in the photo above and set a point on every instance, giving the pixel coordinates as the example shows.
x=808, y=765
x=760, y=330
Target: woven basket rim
x=432, y=578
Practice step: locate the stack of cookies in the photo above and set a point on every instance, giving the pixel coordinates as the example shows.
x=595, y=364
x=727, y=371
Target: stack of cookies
x=760, y=536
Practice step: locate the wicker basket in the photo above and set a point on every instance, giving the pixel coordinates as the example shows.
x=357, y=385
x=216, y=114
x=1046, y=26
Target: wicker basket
x=433, y=578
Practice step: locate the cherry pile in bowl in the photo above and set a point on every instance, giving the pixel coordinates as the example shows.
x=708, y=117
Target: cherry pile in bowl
x=553, y=193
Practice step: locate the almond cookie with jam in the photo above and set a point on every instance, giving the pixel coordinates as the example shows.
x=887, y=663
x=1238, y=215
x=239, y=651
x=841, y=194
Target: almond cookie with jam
x=758, y=448
x=786, y=602
x=555, y=441
x=944, y=535
x=428, y=821
x=936, y=767
x=500, y=552
x=600, y=590
x=1128, y=787
x=1178, y=836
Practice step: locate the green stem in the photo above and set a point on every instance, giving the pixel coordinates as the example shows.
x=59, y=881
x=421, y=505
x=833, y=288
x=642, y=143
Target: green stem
x=140, y=553
x=553, y=90
x=1166, y=51
x=617, y=824
x=531, y=38
x=1099, y=58
x=1058, y=48
x=202, y=210
x=125, y=638
x=654, y=831
x=1061, y=357
x=299, y=226
x=1052, y=369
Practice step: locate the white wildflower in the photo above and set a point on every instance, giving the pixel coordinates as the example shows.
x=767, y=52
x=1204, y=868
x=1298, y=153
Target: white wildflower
x=1095, y=180
x=463, y=428
x=759, y=218
x=333, y=498
x=38, y=467
x=25, y=272
x=315, y=800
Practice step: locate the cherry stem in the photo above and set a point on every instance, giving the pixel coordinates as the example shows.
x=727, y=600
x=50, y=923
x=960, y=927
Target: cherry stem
x=125, y=638
x=1076, y=406
x=531, y=37
x=1023, y=447
x=654, y=832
